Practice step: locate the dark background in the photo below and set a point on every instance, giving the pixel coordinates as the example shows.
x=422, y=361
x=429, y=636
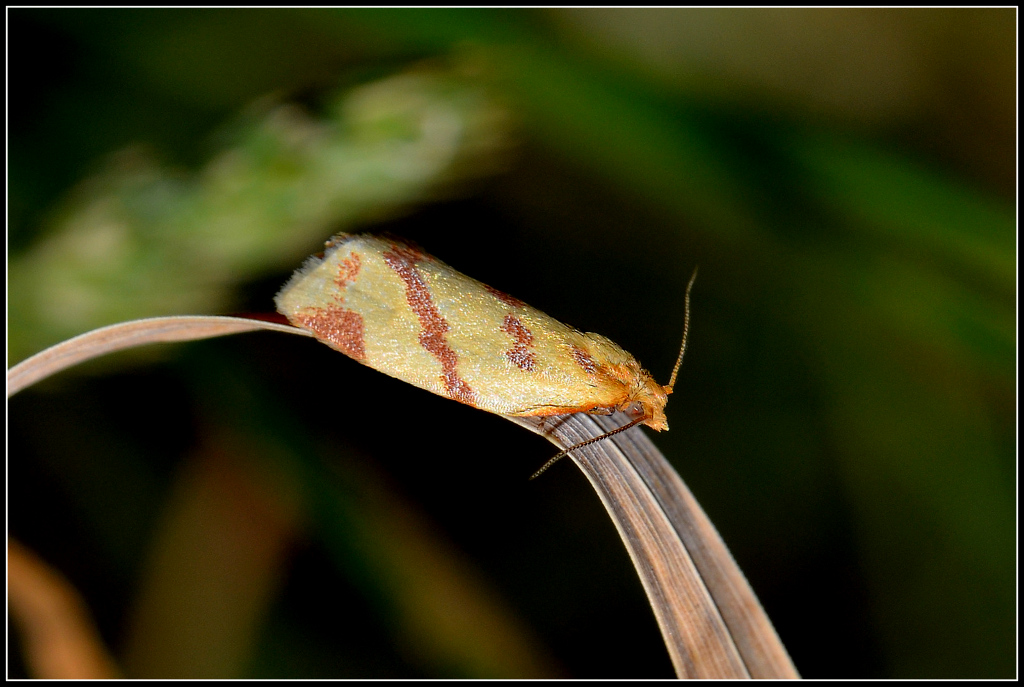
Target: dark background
x=844, y=178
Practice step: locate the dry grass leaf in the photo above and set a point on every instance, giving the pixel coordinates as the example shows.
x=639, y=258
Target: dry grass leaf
x=124, y=335
x=712, y=623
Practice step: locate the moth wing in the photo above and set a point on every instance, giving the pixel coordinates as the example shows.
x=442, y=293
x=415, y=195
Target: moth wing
x=518, y=360
x=354, y=302
x=394, y=308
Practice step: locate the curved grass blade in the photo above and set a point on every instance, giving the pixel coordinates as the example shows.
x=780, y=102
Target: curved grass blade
x=711, y=621
x=130, y=334
x=710, y=618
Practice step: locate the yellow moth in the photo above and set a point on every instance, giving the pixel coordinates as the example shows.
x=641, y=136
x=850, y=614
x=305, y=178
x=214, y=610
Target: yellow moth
x=390, y=305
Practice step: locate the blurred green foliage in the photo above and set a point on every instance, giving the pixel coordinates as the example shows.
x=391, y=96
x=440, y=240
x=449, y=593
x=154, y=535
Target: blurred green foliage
x=138, y=240
x=846, y=413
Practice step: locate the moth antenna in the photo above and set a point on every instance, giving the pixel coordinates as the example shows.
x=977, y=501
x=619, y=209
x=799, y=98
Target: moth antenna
x=588, y=442
x=686, y=330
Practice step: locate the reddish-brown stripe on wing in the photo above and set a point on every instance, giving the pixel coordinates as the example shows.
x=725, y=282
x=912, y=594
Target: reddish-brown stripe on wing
x=519, y=354
x=341, y=327
x=504, y=297
x=584, y=360
x=432, y=325
x=348, y=270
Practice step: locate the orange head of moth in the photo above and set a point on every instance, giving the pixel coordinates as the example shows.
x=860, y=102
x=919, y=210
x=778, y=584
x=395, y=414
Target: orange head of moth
x=650, y=398
x=646, y=399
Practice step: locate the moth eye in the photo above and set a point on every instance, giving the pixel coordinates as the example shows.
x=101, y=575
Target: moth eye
x=635, y=408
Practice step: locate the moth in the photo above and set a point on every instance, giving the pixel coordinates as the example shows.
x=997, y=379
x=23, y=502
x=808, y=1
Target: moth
x=388, y=304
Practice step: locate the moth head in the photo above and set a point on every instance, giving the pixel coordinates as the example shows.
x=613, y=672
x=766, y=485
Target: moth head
x=648, y=399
